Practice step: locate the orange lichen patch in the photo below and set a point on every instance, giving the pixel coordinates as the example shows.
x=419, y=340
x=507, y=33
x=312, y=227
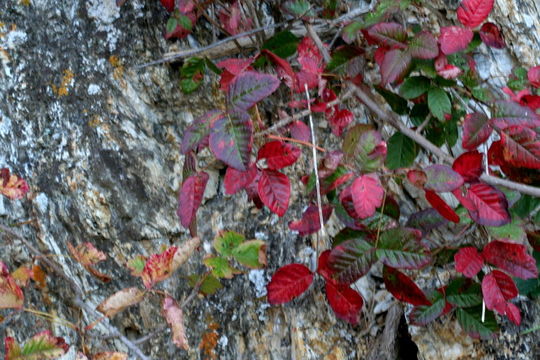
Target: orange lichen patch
x=118, y=69
x=39, y=276
x=67, y=79
x=26, y=2
x=95, y=121
x=209, y=341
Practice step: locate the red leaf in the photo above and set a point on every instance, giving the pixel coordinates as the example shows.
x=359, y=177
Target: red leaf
x=491, y=36
x=509, y=113
x=168, y=4
x=288, y=282
x=12, y=186
x=191, y=196
x=446, y=70
x=309, y=56
x=521, y=147
x=345, y=302
x=403, y=288
x=323, y=268
x=454, y=39
x=394, y=66
x=232, y=20
x=310, y=222
x=278, y=154
x=472, y=13
x=468, y=261
x=531, y=101
x=300, y=131
x=442, y=178
x=236, y=180
x=249, y=88
x=87, y=255
x=486, y=205
x=275, y=191
x=441, y=206
x=367, y=195
x=512, y=258
x=231, y=69
x=513, y=313
x=469, y=165
x=498, y=288
x=417, y=177
x=533, y=75
x=476, y=130
x=284, y=69
x=392, y=35
x=339, y=120
x=158, y=267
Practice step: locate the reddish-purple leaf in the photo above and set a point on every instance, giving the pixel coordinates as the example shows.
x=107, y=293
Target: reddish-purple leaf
x=417, y=177
x=196, y=134
x=330, y=163
x=275, y=191
x=345, y=301
x=235, y=180
x=476, y=130
x=190, y=198
x=391, y=35
x=249, y=88
x=310, y=57
x=486, y=205
x=367, y=195
x=426, y=220
x=454, y=39
x=300, y=131
x=533, y=75
x=491, y=36
x=12, y=186
x=472, y=13
x=521, y=147
x=168, y=4
x=310, y=222
x=423, y=46
x=512, y=258
x=469, y=165
x=175, y=318
x=231, y=137
x=394, y=66
x=403, y=288
x=441, y=206
x=509, y=113
x=339, y=120
x=278, y=154
x=498, y=288
x=442, y=178
x=288, y=282
x=351, y=259
x=468, y=261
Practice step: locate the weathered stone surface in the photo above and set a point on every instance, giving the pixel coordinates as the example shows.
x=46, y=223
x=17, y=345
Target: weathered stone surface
x=98, y=143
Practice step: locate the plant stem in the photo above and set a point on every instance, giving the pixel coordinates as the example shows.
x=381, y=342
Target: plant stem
x=305, y=143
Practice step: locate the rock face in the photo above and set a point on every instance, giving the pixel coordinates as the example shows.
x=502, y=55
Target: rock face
x=98, y=140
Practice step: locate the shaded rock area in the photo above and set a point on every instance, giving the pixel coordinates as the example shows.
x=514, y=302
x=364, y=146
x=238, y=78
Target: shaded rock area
x=98, y=140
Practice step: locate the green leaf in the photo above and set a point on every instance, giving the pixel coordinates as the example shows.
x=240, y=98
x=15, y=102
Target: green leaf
x=400, y=248
x=419, y=113
x=251, y=253
x=365, y=147
x=414, y=87
x=220, y=267
x=349, y=32
x=396, y=102
x=283, y=44
x=463, y=293
x=343, y=56
x=470, y=320
x=525, y=206
x=136, y=265
x=347, y=234
x=185, y=22
x=513, y=231
x=209, y=286
x=172, y=23
x=401, y=151
x=191, y=74
x=40, y=347
x=189, y=85
x=299, y=8
x=439, y=103
x=424, y=314
x=226, y=241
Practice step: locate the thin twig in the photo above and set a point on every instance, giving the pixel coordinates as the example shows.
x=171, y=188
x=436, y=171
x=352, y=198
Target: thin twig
x=192, y=52
x=426, y=144
x=318, y=42
x=315, y=167
x=352, y=14
x=289, y=119
x=305, y=143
